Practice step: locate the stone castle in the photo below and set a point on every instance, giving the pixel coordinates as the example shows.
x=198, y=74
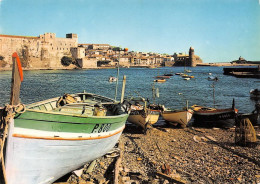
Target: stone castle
x=46, y=51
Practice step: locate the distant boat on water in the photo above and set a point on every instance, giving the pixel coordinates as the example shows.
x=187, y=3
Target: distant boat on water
x=112, y=79
x=187, y=71
x=178, y=73
x=163, y=77
x=212, y=78
x=168, y=74
x=159, y=80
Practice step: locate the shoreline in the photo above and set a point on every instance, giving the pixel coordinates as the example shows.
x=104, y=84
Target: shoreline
x=108, y=67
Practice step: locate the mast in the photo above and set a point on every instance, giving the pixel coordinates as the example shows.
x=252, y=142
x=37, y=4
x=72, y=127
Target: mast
x=118, y=49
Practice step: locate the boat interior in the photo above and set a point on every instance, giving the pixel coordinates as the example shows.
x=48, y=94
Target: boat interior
x=83, y=104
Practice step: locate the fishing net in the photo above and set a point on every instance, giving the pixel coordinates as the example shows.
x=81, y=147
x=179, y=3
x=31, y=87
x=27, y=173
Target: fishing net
x=245, y=133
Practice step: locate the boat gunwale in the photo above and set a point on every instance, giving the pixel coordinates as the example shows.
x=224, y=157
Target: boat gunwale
x=76, y=115
x=30, y=107
x=56, y=98
x=176, y=111
x=230, y=110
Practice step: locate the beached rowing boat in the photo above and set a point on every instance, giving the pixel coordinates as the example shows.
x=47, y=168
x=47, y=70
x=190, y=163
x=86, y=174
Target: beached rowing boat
x=140, y=114
x=53, y=137
x=177, y=117
x=50, y=138
x=212, y=117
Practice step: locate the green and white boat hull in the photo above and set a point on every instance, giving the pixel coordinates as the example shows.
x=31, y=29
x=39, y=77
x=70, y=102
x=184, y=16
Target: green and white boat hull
x=44, y=145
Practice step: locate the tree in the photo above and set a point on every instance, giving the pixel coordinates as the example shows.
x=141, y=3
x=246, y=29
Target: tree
x=66, y=61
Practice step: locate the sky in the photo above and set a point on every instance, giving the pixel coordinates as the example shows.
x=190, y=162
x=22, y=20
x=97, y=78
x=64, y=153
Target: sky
x=218, y=30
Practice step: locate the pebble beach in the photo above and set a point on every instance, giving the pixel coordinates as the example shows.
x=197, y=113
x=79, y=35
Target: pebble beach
x=189, y=155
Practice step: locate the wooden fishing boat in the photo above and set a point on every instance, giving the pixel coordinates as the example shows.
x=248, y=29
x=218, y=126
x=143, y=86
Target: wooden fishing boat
x=212, y=117
x=177, y=117
x=141, y=115
x=50, y=138
x=53, y=137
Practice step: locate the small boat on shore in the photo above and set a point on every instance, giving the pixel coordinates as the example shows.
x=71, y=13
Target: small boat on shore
x=140, y=114
x=177, y=117
x=66, y=134
x=212, y=117
x=255, y=93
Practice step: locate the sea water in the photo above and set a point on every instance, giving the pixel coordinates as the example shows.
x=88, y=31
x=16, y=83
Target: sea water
x=44, y=84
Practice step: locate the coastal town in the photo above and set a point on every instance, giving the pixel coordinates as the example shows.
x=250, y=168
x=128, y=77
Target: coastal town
x=47, y=51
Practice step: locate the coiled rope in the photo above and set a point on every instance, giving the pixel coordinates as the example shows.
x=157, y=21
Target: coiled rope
x=9, y=112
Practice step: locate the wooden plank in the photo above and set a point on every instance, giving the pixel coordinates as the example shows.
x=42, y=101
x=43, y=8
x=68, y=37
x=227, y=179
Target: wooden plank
x=123, y=89
x=118, y=162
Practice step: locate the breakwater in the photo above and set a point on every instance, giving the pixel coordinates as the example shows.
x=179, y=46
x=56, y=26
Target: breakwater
x=243, y=72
